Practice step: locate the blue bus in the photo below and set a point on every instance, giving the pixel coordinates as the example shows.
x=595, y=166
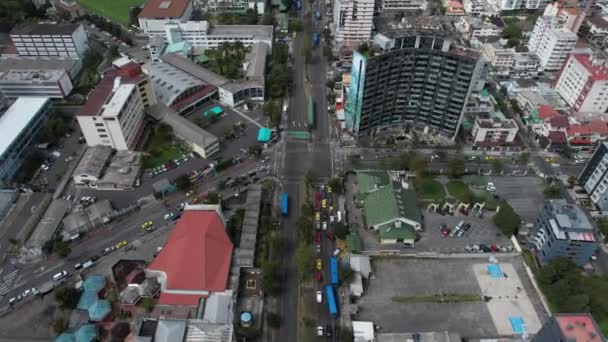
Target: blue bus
x=315, y=40
x=284, y=204
x=333, y=270
x=331, y=301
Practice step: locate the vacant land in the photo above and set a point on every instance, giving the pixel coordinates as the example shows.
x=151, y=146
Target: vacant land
x=115, y=10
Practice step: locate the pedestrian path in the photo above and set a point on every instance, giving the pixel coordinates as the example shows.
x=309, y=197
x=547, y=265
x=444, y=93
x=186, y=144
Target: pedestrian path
x=6, y=285
x=246, y=117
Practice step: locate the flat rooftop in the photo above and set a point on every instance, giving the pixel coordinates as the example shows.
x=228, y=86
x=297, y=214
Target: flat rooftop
x=32, y=76
x=39, y=63
x=164, y=9
x=16, y=118
x=44, y=29
x=189, y=67
x=259, y=31
x=121, y=94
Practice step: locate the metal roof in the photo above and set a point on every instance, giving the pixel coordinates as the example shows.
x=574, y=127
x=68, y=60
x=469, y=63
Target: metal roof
x=17, y=118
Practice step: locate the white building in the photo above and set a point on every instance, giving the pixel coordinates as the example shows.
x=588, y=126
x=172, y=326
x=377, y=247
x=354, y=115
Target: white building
x=494, y=130
x=473, y=7
x=63, y=40
x=202, y=34
x=473, y=28
x=498, y=56
x=551, y=42
x=353, y=20
x=36, y=83
x=156, y=13
x=234, y=5
x=583, y=83
x=510, y=5
x=403, y=5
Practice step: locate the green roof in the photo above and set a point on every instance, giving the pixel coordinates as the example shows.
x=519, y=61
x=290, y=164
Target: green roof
x=264, y=134
x=390, y=202
x=181, y=47
x=391, y=232
x=354, y=242
x=484, y=93
x=370, y=180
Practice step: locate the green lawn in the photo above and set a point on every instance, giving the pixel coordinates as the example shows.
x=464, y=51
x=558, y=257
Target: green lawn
x=479, y=180
x=161, y=151
x=429, y=189
x=115, y=10
x=488, y=197
x=459, y=190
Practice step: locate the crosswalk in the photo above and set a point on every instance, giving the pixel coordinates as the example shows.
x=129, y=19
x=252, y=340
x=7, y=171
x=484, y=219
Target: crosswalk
x=8, y=281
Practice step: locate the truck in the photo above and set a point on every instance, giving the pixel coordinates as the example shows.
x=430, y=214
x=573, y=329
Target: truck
x=315, y=39
x=318, y=14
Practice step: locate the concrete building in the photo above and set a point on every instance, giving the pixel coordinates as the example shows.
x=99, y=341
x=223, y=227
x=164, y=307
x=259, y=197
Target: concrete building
x=594, y=177
x=353, y=20
x=498, y=56
x=411, y=80
x=570, y=327
x=201, y=34
x=36, y=83
x=494, y=130
x=19, y=126
x=403, y=5
x=102, y=168
x=473, y=7
x=475, y=28
x=91, y=165
x=156, y=13
x=510, y=5
x=583, y=83
x=551, y=42
x=114, y=112
x=563, y=231
x=233, y=5
x=50, y=40
x=71, y=65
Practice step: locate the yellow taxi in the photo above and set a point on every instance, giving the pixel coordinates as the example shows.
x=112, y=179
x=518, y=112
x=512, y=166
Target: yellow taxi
x=146, y=224
x=490, y=158
x=328, y=188
x=319, y=264
x=121, y=244
x=318, y=216
x=324, y=203
x=551, y=160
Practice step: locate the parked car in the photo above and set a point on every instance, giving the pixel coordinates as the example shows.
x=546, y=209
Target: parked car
x=60, y=275
x=445, y=232
x=29, y=292
x=14, y=299
x=460, y=233
x=320, y=331
x=466, y=227
x=328, y=330
x=168, y=216
x=324, y=225
x=484, y=248
x=319, y=276
x=318, y=237
x=318, y=248
x=319, y=264
x=146, y=224
x=121, y=244
x=491, y=187
x=319, y=297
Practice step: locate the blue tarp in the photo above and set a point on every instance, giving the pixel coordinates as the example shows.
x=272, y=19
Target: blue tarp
x=86, y=333
x=89, y=300
x=518, y=325
x=264, y=134
x=495, y=271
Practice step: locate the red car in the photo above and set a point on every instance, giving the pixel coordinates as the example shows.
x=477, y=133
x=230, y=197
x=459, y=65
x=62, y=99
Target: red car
x=445, y=232
x=330, y=236
x=494, y=248
x=318, y=237
x=318, y=196
x=319, y=276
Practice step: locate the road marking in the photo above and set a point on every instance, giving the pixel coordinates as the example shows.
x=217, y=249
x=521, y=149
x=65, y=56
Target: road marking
x=10, y=275
x=49, y=270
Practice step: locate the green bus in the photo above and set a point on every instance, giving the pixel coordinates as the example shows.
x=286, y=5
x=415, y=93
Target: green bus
x=311, y=113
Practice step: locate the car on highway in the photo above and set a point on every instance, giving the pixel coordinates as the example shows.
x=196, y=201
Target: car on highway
x=490, y=158
x=324, y=225
x=108, y=250
x=319, y=297
x=445, y=232
x=121, y=244
x=29, y=292
x=324, y=203
x=146, y=224
x=319, y=264
x=60, y=275
x=318, y=216
x=14, y=299
x=320, y=331
x=318, y=248
x=318, y=237
x=78, y=266
x=168, y=216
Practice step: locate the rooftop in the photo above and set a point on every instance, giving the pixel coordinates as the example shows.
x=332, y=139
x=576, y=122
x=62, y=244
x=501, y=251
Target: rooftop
x=169, y=82
x=168, y=330
x=39, y=63
x=199, y=330
x=579, y=327
x=45, y=29
x=256, y=31
x=598, y=21
x=117, y=102
x=122, y=171
x=256, y=60
x=197, y=254
x=569, y=217
x=93, y=161
x=596, y=67
x=193, y=69
x=182, y=127
x=17, y=118
x=32, y=75
x=494, y=120
x=164, y=9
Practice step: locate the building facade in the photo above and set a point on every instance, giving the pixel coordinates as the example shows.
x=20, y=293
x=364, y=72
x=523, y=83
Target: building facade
x=19, y=126
x=36, y=83
x=353, y=20
x=594, y=177
x=157, y=13
x=202, y=34
x=403, y=5
x=583, y=83
x=511, y=5
x=498, y=56
x=415, y=81
x=63, y=40
x=551, y=43
x=494, y=130
x=563, y=231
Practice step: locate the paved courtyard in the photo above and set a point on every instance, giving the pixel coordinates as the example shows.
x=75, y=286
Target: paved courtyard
x=524, y=194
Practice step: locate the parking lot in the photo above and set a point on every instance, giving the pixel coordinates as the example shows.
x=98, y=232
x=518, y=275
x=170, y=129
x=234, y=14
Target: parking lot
x=524, y=194
x=482, y=231
x=401, y=277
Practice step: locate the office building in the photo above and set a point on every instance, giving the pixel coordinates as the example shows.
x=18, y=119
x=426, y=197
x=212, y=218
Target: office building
x=403, y=5
x=511, y=5
x=200, y=34
x=36, y=83
x=473, y=7
x=563, y=231
x=19, y=126
x=156, y=13
x=551, y=42
x=233, y=5
x=583, y=83
x=570, y=328
x=410, y=80
x=114, y=112
x=594, y=177
x=71, y=65
x=353, y=20
x=494, y=130
x=62, y=40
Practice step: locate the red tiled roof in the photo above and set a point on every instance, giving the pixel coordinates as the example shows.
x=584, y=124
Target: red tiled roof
x=197, y=254
x=557, y=137
x=164, y=9
x=578, y=327
x=594, y=127
x=579, y=141
x=546, y=112
x=559, y=121
x=179, y=299
x=598, y=72
x=130, y=70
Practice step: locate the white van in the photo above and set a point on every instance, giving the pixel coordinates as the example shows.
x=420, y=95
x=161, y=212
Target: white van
x=339, y=214
x=336, y=252
x=60, y=275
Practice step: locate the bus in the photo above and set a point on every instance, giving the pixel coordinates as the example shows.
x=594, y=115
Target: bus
x=284, y=204
x=333, y=270
x=311, y=113
x=330, y=297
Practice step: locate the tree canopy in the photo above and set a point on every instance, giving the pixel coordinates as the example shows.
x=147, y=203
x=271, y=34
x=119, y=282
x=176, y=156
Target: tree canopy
x=507, y=219
x=456, y=168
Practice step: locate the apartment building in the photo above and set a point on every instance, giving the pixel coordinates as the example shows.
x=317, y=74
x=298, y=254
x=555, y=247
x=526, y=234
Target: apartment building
x=498, y=56
x=475, y=28
x=511, y=5
x=551, y=42
x=594, y=177
x=36, y=83
x=19, y=126
x=494, y=130
x=473, y=7
x=583, y=83
x=403, y=5
x=353, y=20
x=414, y=79
x=62, y=40
x=563, y=231
x=114, y=112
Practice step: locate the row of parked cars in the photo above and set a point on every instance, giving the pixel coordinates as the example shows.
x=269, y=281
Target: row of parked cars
x=458, y=231
x=481, y=248
x=32, y=291
x=155, y=171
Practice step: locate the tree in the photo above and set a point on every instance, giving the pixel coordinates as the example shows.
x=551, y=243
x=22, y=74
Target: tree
x=421, y=166
x=255, y=150
x=271, y=277
x=512, y=31
x=304, y=257
x=272, y=108
x=346, y=335
x=345, y=273
x=62, y=248
x=602, y=225
x=273, y=320
x=497, y=165
x=67, y=297
x=147, y=304
x=212, y=198
x=268, y=19
x=456, y=168
x=572, y=181
x=341, y=230
x=507, y=219
x=310, y=176
x=183, y=183
x=336, y=185
x=295, y=25
x=523, y=158
x=53, y=130
x=60, y=325
x=552, y=191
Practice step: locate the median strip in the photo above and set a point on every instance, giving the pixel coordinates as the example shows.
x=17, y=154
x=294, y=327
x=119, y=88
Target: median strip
x=439, y=298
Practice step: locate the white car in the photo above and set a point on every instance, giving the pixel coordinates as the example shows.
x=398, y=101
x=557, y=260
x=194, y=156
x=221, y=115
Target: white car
x=319, y=297
x=491, y=187
x=168, y=216
x=29, y=292
x=324, y=225
x=320, y=331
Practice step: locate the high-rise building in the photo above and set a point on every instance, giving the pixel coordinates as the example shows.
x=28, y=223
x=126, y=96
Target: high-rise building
x=353, y=20
x=63, y=40
x=551, y=42
x=114, y=112
x=570, y=328
x=594, y=177
x=410, y=79
x=563, y=231
x=583, y=83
